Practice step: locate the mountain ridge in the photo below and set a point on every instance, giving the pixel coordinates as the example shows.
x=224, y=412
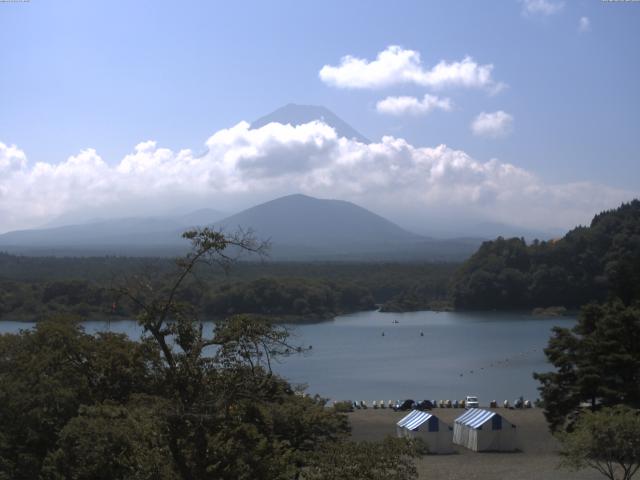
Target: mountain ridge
x=293, y=219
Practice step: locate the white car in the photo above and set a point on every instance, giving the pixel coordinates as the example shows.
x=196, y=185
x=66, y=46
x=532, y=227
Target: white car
x=471, y=402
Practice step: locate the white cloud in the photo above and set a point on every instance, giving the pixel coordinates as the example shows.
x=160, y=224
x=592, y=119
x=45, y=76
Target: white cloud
x=541, y=7
x=11, y=159
x=413, y=106
x=584, y=24
x=493, y=125
x=396, y=65
x=244, y=166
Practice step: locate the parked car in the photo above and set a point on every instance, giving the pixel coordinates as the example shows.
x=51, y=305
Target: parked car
x=402, y=405
x=471, y=402
x=424, y=405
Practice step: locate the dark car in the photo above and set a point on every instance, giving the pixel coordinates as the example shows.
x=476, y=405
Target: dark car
x=403, y=405
x=424, y=405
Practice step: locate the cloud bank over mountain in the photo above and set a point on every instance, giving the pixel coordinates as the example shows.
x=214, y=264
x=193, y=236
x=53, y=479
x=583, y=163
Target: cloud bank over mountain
x=244, y=165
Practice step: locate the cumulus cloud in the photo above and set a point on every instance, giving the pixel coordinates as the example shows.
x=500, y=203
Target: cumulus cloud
x=541, y=7
x=396, y=65
x=412, y=105
x=584, y=24
x=244, y=166
x=11, y=158
x=492, y=125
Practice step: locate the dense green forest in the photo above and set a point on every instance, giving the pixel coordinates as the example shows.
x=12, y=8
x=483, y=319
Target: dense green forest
x=32, y=288
x=588, y=264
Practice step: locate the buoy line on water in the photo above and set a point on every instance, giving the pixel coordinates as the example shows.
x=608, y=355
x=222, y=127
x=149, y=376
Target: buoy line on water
x=503, y=362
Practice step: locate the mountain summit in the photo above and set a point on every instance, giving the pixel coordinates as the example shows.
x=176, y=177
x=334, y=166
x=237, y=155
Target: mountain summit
x=300, y=227
x=293, y=114
x=312, y=222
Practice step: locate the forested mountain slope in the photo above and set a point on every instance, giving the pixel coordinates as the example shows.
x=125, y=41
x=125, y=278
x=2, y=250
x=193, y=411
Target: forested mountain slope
x=587, y=264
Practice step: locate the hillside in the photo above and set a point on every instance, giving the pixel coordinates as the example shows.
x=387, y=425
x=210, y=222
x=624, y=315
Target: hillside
x=300, y=227
x=588, y=263
x=131, y=235
x=311, y=222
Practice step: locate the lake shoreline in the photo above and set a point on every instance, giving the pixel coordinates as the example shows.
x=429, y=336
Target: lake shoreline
x=544, y=313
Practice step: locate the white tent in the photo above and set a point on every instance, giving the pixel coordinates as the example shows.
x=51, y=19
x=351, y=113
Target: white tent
x=437, y=435
x=483, y=430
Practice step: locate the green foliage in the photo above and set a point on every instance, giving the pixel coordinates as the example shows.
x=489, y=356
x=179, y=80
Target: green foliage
x=607, y=441
x=597, y=361
x=587, y=264
x=288, y=297
x=343, y=407
x=37, y=288
x=80, y=406
x=389, y=460
x=36, y=301
x=111, y=441
x=48, y=373
x=429, y=294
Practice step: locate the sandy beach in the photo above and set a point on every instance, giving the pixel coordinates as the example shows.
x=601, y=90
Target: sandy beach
x=536, y=458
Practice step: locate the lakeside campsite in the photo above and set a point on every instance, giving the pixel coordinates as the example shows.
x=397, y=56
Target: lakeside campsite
x=536, y=456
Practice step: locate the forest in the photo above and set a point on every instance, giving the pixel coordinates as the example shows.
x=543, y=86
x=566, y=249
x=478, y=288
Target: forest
x=593, y=263
x=32, y=288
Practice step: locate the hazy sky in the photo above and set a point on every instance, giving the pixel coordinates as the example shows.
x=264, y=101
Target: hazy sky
x=525, y=112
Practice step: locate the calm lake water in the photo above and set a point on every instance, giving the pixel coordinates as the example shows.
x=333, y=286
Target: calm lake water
x=492, y=355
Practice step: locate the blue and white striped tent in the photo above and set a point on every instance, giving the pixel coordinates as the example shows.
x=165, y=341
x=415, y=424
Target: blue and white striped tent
x=482, y=430
x=424, y=425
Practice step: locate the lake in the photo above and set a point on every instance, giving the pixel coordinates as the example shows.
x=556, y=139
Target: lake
x=492, y=355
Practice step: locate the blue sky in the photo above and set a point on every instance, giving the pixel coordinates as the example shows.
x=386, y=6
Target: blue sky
x=80, y=75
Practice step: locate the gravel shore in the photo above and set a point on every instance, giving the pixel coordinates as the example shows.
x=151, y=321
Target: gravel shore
x=536, y=459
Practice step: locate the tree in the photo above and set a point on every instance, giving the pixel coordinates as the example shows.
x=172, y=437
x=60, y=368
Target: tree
x=110, y=441
x=46, y=374
x=597, y=361
x=225, y=410
x=607, y=441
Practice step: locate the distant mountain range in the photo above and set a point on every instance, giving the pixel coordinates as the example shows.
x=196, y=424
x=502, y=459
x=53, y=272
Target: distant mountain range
x=130, y=235
x=298, y=227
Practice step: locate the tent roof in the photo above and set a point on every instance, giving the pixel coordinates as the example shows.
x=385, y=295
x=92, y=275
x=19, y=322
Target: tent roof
x=414, y=419
x=475, y=417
